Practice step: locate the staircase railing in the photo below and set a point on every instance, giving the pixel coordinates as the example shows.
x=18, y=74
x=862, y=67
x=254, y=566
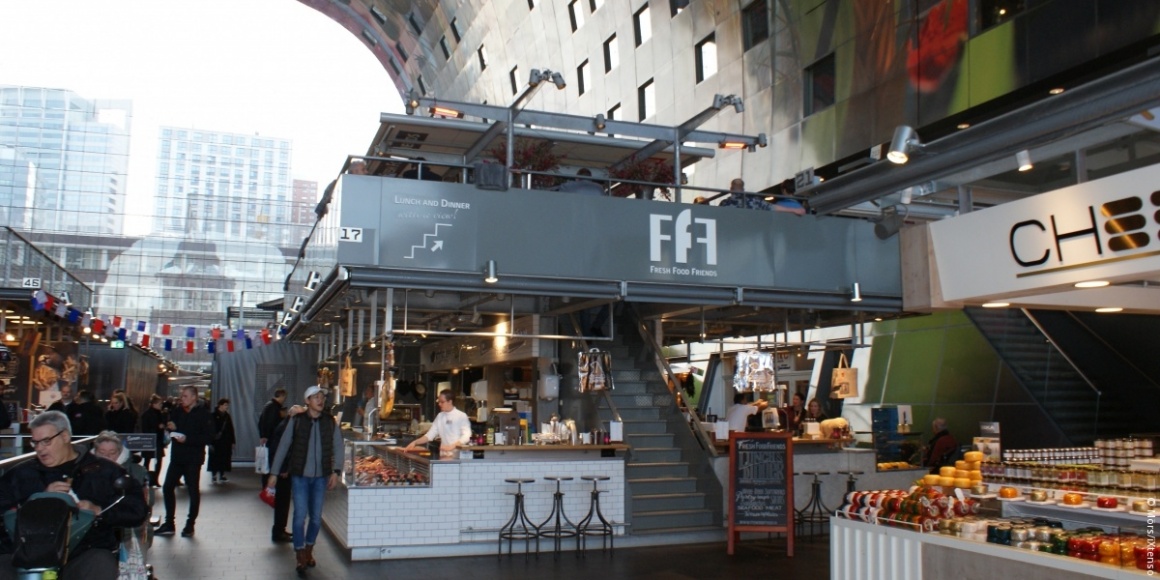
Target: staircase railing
x=1074, y=367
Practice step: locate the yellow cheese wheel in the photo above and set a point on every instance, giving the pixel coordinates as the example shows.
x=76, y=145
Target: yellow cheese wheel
x=973, y=465
x=962, y=482
x=961, y=474
x=975, y=475
x=946, y=471
x=946, y=481
x=960, y=464
x=973, y=456
x=930, y=479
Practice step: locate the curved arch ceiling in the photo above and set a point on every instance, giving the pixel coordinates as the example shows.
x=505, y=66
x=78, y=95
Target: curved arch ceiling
x=377, y=30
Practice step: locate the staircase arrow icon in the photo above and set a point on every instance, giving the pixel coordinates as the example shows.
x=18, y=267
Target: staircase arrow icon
x=438, y=245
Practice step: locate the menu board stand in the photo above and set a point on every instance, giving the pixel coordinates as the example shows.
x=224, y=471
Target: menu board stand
x=761, y=485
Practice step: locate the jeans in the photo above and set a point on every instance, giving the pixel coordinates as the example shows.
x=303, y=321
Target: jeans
x=192, y=474
x=308, y=493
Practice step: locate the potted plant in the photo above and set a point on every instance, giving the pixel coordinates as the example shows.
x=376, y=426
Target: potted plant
x=649, y=170
x=532, y=155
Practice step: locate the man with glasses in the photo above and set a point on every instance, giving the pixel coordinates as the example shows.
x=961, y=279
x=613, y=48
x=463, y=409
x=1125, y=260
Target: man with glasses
x=451, y=427
x=61, y=468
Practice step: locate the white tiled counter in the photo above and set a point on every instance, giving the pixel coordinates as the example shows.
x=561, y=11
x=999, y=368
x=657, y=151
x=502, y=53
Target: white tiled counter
x=461, y=511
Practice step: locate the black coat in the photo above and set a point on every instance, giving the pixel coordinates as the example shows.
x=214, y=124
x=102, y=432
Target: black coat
x=153, y=421
x=86, y=418
x=122, y=420
x=269, y=419
x=197, y=426
x=92, y=480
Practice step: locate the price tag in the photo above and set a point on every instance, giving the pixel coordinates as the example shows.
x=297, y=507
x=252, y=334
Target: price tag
x=350, y=235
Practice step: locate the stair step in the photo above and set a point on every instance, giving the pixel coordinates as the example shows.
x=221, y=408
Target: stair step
x=649, y=440
x=656, y=454
x=668, y=519
x=668, y=501
x=658, y=485
x=667, y=469
x=636, y=426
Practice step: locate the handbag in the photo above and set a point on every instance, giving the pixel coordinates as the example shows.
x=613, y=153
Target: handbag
x=844, y=380
x=131, y=562
x=267, y=496
x=261, y=459
x=595, y=369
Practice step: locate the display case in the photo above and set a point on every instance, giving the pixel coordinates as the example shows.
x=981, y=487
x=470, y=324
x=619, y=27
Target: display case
x=894, y=449
x=376, y=464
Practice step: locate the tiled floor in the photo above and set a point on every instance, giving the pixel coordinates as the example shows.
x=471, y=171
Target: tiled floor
x=233, y=542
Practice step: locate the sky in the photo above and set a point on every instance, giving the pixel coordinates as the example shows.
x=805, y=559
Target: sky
x=272, y=67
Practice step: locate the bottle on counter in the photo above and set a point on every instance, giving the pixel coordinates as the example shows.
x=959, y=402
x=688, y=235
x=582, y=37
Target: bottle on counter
x=490, y=436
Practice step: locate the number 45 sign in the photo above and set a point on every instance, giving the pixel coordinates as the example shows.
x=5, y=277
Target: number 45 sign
x=350, y=235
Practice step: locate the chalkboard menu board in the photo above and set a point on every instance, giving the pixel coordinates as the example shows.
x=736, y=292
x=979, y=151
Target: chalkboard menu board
x=761, y=485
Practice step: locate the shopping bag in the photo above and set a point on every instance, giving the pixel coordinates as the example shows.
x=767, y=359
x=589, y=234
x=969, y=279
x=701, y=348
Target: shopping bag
x=844, y=380
x=261, y=459
x=131, y=561
x=267, y=496
x=595, y=368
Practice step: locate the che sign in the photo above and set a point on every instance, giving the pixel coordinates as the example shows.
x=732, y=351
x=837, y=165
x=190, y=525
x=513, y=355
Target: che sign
x=31, y=283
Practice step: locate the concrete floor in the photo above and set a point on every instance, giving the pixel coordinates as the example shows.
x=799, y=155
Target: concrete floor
x=233, y=541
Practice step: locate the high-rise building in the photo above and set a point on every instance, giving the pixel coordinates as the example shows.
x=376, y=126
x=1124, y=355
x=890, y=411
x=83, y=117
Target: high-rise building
x=305, y=198
x=78, y=151
x=228, y=186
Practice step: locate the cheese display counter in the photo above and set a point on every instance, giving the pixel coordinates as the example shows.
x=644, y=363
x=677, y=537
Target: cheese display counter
x=401, y=505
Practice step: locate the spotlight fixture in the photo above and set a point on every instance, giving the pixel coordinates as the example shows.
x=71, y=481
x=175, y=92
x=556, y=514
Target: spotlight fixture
x=489, y=273
x=600, y=122
x=312, y=281
x=1023, y=160
x=890, y=222
x=538, y=76
x=1056, y=91
x=996, y=304
x=962, y=126
x=856, y=294
x=1092, y=284
x=904, y=142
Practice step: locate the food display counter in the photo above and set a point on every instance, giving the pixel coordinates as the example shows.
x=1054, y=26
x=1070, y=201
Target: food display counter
x=394, y=504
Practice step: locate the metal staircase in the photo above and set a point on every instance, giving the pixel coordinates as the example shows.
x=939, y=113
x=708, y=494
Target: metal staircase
x=671, y=483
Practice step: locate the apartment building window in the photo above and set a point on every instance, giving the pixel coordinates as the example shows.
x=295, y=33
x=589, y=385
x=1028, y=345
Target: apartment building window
x=482, y=53
x=455, y=30
x=819, y=85
x=513, y=75
x=646, y=98
x=576, y=14
x=755, y=23
x=706, y=58
x=422, y=85
x=531, y=4
x=611, y=54
x=444, y=48
x=582, y=76
x=595, y=4
x=402, y=51
x=676, y=6
x=641, y=26
x=414, y=24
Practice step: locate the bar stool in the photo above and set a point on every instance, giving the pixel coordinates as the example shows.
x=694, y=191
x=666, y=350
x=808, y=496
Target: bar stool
x=589, y=526
x=851, y=481
x=519, y=527
x=561, y=527
x=815, y=511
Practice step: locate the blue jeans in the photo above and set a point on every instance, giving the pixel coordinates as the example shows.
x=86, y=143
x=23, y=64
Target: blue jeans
x=308, y=493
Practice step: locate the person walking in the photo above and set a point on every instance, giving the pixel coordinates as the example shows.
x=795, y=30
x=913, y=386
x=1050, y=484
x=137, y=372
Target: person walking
x=191, y=429
x=153, y=420
x=272, y=414
x=221, y=450
x=119, y=417
x=311, y=455
x=85, y=416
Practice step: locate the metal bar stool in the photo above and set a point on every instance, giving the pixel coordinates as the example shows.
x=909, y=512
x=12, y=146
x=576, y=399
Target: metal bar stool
x=851, y=481
x=598, y=526
x=815, y=511
x=561, y=526
x=519, y=527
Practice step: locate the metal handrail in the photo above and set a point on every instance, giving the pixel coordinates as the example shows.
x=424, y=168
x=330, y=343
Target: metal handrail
x=670, y=380
x=1074, y=367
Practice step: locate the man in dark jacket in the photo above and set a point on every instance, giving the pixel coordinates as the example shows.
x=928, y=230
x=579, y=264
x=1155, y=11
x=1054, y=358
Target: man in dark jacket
x=85, y=415
x=191, y=429
x=271, y=415
x=59, y=467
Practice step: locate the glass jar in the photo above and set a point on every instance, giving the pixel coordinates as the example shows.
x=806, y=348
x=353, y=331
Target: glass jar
x=1124, y=477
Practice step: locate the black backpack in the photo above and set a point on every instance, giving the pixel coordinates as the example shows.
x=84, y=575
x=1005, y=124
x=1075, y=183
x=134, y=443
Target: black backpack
x=42, y=533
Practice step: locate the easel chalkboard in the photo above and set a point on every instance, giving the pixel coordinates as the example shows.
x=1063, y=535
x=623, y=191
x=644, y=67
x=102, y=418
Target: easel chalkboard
x=761, y=485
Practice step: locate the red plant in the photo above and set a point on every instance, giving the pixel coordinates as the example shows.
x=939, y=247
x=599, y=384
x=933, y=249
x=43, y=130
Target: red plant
x=649, y=170
x=532, y=155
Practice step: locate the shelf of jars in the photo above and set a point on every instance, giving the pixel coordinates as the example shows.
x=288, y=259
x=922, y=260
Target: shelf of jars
x=1128, y=486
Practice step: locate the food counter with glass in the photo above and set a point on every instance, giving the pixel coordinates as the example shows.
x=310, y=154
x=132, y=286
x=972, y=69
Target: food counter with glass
x=395, y=504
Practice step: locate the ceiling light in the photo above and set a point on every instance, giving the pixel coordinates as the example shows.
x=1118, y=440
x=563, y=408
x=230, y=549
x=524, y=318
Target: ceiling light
x=1056, y=91
x=489, y=274
x=904, y=142
x=856, y=295
x=996, y=304
x=877, y=319
x=1092, y=284
x=1023, y=160
x=963, y=126
x=1109, y=309
x=731, y=145
x=9, y=337
x=444, y=111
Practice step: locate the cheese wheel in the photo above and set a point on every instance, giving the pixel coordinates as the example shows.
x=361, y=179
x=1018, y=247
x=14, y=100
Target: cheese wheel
x=930, y=479
x=975, y=475
x=973, y=465
x=946, y=471
x=946, y=481
x=960, y=464
x=961, y=474
x=962, y=482
x=973, y=456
